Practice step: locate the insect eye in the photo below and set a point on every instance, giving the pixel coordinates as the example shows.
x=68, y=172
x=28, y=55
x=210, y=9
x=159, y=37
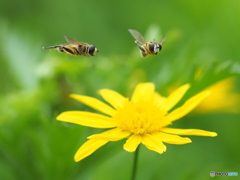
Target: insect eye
x=152, y=46
x=92, y=49
x=159, y=46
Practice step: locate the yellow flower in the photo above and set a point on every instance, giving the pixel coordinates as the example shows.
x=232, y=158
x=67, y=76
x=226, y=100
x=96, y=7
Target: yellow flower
x=223, y=99
x=142, y=119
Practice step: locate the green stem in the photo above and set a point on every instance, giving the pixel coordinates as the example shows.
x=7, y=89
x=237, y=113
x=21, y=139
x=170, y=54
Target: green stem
x=135, y=163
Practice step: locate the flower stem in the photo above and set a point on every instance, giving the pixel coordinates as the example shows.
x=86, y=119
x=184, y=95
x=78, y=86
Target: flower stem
x=135, y=164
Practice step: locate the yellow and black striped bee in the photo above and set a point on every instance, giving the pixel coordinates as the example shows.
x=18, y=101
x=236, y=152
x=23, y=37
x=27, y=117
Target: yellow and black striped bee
x=146, y=48
x=75, y=48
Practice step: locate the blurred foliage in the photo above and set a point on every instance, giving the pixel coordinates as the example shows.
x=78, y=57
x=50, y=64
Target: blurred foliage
x=201, y=48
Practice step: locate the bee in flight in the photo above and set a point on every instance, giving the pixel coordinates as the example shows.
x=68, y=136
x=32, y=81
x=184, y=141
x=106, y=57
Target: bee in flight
x=146, y=48
x=75, y=48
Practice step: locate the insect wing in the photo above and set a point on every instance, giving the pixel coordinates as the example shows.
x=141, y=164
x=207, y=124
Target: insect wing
x=163, y=40
x=137, y=35
x=71, y=41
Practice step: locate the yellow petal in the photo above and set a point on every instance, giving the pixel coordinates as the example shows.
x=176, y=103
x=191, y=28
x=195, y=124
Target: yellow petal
x=172, y=139
x=132, y=143
x=158, y=99
x=95, y=104
x=143, y=92
x=111, y=135
x=87, y=119
x=114, y=98
x=223, y=98
x=196, y=132
x=88, y=148
x=153, y=143
x=175, y=97
x=186, y=107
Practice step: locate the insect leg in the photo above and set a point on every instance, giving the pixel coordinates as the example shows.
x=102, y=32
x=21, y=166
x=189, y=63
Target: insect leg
x=140, y=47
x=50, y=47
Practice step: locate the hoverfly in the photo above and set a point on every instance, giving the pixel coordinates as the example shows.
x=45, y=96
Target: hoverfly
x=146, y=48
x=75, y=48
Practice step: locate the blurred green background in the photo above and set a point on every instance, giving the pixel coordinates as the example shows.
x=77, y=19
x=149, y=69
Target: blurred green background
x=201, y=48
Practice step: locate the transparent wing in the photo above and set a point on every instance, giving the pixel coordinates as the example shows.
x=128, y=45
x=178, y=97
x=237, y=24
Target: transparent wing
x=72, y=41
x=137, y=35
x=163, y=40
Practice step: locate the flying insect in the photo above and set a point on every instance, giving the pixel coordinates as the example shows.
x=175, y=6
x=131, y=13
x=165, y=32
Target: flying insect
x=146, y=48
x=75, y=48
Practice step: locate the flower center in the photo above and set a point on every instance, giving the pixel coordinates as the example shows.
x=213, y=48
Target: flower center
x=140, y=117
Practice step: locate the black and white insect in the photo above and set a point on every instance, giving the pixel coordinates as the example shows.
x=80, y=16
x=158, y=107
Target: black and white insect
x=146, y=48
x=75, y=48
